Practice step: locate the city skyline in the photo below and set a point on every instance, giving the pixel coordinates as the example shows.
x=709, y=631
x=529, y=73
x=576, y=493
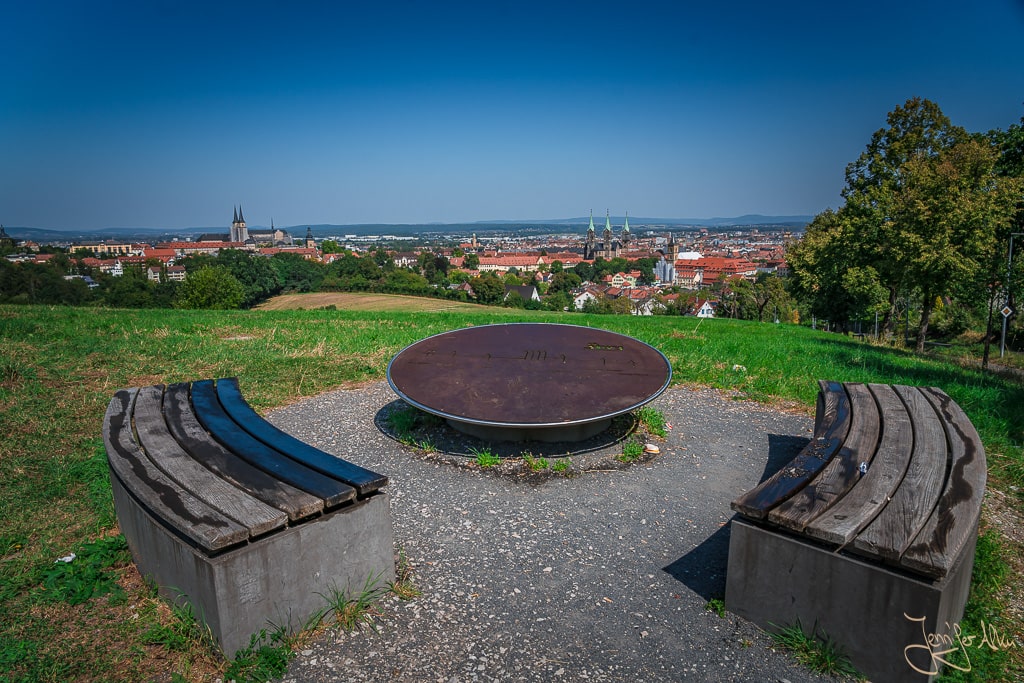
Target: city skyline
x=162, y=114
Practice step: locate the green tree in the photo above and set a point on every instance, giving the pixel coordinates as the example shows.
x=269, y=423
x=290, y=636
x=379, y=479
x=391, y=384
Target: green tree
x=472, y=262
x=917, y=129
x=488, y=289
x=953, y=206
x=210, y=287
x=258, y=277
x=297, y=274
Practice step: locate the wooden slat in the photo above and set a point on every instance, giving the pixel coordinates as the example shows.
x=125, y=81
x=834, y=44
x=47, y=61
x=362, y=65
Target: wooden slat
x=891, y=532
x=177, y=464
x=364, y=480
x=954, y=520
x=864, y=501
x=165, y=499
x=185, y=428
x=832, y=422
x=212, y=416
x=841, y=473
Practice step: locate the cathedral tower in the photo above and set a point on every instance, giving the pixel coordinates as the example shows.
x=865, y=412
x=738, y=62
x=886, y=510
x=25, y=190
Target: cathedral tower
x=239, y=233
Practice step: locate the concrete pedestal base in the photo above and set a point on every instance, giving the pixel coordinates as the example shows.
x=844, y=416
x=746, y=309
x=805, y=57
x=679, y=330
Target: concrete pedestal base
x=874, y=614
x=278, y=580
x=561, y=433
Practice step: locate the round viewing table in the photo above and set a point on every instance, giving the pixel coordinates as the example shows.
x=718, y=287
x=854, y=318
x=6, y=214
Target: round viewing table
x=529, y=381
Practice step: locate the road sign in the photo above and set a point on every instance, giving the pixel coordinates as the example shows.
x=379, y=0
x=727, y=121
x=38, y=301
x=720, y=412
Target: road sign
x=1007, y=311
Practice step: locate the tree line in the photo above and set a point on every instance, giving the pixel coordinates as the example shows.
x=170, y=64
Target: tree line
x=921, y=238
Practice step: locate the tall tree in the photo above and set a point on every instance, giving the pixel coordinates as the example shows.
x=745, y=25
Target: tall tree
x=917, y=129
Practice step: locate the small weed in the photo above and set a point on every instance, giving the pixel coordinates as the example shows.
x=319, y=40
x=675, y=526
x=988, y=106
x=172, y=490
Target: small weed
x=535, y=464
x=403, y=586
x=350, y=611
x=403, y=421
x=484, y=457
x=183, y=634
x=716, y=605
x=266, y=657
x=561, y=465
x=820, y=654
x=425, y=445
x=653, y=420
x=631, y=451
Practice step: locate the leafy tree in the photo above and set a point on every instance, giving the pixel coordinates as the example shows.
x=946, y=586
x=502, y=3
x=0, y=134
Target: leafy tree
x=210, y=287
x=488, y=289
x=564, y=282
x=514, y=300
x=557, y=266
x=953, y=206
x=330, y=247
x=472, y=262
x=130, y=290
x=916, y=130
x=259, y=279
x=296, y=273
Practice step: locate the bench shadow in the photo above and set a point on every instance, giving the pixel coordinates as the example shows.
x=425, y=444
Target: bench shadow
x=703, y=569
x=782, y=448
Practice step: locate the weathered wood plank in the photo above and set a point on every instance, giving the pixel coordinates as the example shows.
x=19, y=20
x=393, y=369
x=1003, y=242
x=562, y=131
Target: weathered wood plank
x=841, y=473
x=954, y=520
x=888, y=536
x=831, y=424
x=187, y=430
x=212, y=416
x=166, y=501
x=362, y=479
x=869, y=496
x=177, y=464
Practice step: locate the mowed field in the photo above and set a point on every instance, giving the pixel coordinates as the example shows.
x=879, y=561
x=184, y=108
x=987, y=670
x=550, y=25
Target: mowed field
x=358, y=301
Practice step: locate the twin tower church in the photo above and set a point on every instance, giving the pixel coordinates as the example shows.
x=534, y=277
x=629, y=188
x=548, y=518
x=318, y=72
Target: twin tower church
x=609, y=247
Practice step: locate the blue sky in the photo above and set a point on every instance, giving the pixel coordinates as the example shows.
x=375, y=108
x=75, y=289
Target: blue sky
x=168, y=114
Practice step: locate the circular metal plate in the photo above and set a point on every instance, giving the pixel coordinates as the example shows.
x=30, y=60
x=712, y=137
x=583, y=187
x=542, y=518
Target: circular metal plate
x=529, y=375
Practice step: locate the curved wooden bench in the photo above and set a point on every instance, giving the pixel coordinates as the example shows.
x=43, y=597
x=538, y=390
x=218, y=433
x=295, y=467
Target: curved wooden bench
x=884, y=501
x=228, y=513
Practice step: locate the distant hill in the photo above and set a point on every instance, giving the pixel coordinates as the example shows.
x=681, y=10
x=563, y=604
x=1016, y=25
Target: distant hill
x=404, y=230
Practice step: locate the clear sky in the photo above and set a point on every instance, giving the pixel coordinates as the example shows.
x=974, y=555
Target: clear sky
x=169, y=113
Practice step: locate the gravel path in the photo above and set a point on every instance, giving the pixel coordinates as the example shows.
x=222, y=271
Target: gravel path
x=603, y=576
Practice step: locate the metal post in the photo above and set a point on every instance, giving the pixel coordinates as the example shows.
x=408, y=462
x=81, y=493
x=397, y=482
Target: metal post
x=1009, y=276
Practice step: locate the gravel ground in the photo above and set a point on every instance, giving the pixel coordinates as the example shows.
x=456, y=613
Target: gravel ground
x=600, y=576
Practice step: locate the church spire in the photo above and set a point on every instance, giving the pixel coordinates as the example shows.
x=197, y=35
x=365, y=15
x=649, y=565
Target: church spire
x=241, y=219
x=235, y=217
x=625, y=225
x=591, y=221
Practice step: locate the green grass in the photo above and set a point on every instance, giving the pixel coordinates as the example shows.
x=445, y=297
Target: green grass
x=816, y=651
x=59, y=368
x=484, y=457
x=653, y=420
x=631, y=451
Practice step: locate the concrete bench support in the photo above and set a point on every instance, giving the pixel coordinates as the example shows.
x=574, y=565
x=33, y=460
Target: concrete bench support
x=868, y=535
x=251, y=527
x=775, y=580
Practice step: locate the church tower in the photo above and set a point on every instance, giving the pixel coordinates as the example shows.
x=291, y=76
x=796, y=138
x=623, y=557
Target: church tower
x=591, y=244
x=310, y=241
x=625, y=236
x=239, y=233
x=607, y=229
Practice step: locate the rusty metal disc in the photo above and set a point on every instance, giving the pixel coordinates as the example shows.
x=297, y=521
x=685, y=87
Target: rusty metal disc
x=529, y=376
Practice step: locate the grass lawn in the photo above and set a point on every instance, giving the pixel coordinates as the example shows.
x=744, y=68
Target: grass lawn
x=95, y=618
